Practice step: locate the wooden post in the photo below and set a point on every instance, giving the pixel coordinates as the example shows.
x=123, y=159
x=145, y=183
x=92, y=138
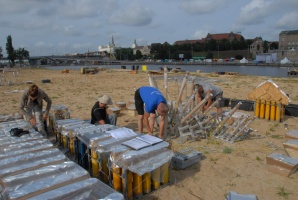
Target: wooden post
x=179, y=96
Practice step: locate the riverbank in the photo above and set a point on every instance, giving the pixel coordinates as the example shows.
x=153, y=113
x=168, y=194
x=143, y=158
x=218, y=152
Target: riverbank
x=243, y=170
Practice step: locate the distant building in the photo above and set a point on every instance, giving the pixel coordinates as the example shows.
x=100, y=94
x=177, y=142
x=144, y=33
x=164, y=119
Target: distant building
x=266, y=58
x=219, y=36
x=257, y=47
x=180, y=42
x=288, y=45
x=145, y=50
x=109, y=49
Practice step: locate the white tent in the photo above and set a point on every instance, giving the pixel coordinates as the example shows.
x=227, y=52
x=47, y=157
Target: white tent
x=285, y=60
x=243, y=60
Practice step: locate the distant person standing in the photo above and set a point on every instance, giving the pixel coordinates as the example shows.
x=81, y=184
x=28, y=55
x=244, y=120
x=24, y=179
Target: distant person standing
x=99, y=113
x=206, y=88
x=31, y=107
x=153, y=100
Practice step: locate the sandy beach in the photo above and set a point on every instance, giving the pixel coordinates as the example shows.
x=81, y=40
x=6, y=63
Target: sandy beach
x=243, y=170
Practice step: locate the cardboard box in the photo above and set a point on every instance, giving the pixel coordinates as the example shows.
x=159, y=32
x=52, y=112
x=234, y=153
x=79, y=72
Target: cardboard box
x=282, y=164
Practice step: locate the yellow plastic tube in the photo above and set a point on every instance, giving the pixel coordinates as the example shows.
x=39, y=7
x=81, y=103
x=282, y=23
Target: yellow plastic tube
x=272, y=110
x=117, y=180
x=278, y=112
x=164, y=173
x=155, y=176
x=137, y=186
x=104, y=168
x=127, y=185
x=262, y=109
x=282, y=112
x=257, y=108
x=94, y=163
x=146, y=183
x=267, y=110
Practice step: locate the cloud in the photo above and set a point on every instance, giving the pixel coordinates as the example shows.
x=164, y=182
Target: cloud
x=71, y=31
x=255, y=12
x=288, y=21
x=17, y=7
x=199, y=34
x=196, y=7
x=132, y=15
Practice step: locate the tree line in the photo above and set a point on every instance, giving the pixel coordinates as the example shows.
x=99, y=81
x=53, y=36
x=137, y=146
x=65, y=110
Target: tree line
x=12, y=55
x=189, y=50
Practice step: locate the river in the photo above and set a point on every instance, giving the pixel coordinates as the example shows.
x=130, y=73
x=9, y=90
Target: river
x=270, y=71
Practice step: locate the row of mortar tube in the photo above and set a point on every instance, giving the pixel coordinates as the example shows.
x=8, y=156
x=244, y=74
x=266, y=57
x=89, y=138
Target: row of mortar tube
x=134, y=186
x=269, y=110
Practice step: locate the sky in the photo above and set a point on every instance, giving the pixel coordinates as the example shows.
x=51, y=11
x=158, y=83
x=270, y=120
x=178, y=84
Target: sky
x=57, y=27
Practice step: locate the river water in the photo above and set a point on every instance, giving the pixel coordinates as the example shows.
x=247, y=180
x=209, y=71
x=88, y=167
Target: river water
x=270, y=71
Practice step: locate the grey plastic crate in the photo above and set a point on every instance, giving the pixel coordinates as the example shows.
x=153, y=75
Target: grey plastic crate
x=186, y=158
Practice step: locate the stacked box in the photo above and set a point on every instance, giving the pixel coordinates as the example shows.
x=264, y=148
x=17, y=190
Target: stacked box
x=96, y=190
x=30, y=168
x=133, y=171
x=38, y=181
x=291, y=147
x=282, y=164
x=57, y=112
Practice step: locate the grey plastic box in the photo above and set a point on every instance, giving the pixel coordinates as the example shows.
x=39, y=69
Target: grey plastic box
x=181, y=160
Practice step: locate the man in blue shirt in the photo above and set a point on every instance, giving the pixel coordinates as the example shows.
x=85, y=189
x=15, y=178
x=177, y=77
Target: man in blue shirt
x=153, y=100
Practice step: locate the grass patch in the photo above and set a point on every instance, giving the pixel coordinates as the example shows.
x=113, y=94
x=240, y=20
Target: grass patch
x=258, y=158
x=227, y=150
x=273, y=128
x=283, y=193
x=276, y=136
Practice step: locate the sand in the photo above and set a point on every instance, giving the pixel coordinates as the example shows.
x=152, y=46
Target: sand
x=244, y=170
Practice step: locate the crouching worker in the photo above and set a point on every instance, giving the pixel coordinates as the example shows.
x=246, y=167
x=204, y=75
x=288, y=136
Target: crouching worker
x=216, y=91
x=153, y=100
x=99, y=113
x=31, y=107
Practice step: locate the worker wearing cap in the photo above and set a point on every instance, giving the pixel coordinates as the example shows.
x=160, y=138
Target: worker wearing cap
x=99, y=113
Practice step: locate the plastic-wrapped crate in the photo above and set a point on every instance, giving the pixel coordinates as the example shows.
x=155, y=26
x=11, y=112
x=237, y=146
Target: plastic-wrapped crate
x=91, y=189
x=28, y=161
x=133, y=171
x=38, y=181
x=24, y=147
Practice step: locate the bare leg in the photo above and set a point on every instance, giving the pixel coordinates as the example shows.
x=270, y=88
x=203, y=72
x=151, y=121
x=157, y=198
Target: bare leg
x=140, y=123
x=152, y=121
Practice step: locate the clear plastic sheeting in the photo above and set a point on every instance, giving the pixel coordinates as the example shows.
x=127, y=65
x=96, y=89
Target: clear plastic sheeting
x=90, y=139
x=144, y=160
x=35, y=182
x=90, y=136
x=11, y=117
x=32, y=160
x=61, y=124
x=24, y=138
x=21, y=148
x=5, y=127
x=105, y=146
x=68, y=130
x=91, y=189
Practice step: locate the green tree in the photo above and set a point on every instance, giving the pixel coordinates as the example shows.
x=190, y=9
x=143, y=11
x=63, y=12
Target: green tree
x=21, y=54
x=1, y=55
x=139, y=54
x=11, y=54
